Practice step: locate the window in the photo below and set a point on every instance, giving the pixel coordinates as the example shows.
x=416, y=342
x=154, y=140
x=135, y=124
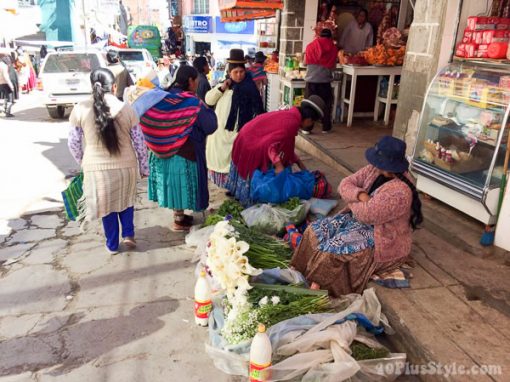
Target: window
x=73, y=62
x=200, y=7
x=127, y=55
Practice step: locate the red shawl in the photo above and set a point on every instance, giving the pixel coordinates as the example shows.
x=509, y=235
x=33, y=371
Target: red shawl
x=321, y=51
x=250, y=150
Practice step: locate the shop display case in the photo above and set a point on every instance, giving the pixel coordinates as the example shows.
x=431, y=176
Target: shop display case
x=267, y=34
x=460, y=147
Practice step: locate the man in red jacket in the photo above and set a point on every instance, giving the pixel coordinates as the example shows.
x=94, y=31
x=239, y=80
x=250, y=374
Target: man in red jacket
x=321, y=55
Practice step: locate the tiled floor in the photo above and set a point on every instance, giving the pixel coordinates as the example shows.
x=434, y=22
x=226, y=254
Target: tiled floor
x=348, y=144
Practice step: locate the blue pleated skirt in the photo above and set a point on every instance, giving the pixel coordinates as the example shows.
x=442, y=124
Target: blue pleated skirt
x=173, y=182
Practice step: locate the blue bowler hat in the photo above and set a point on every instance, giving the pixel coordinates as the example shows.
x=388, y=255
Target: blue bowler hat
x=389, y=154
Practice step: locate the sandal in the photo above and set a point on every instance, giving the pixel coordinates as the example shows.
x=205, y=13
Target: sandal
x=183, y=219
x=180, y=227
x=129, y=242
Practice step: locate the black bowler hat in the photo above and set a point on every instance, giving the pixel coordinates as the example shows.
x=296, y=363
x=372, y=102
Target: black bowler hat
x=260, y=57
x=326, y=33
x=389, y=154
x=236, y=57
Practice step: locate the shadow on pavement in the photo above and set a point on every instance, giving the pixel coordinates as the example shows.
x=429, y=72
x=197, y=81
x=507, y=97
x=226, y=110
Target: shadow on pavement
x=73, y=343
x=35, y=294
x=37, y=114
x=58, y=154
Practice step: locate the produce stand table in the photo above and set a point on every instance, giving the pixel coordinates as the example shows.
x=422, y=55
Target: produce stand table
x=300, y=84
x=380, y=71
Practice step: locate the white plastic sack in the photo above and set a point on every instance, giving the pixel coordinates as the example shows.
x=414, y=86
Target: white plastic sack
x=318, y=348
x=382, y=369
x=198, y=238
x=332, y=364
x=273, y=219
x=229, y=362
x=322, y=206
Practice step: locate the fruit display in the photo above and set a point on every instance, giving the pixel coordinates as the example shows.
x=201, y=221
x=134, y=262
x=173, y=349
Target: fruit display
x=385, y=55
x=271, y=66
x=351, y=59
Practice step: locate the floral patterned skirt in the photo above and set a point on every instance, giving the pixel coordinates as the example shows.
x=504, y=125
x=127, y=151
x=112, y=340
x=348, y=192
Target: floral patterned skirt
x=218, y=178
x=339, y=257
x=239, y=187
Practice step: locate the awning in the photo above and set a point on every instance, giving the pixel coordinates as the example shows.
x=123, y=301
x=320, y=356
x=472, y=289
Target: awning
x=240, y=10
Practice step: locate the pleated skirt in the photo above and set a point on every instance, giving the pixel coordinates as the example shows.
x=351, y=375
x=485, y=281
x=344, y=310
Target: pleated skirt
x=107, y=191
x=173, y=182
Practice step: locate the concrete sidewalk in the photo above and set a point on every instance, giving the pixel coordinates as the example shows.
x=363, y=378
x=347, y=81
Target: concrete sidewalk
x=458, y=307
x=70, y=312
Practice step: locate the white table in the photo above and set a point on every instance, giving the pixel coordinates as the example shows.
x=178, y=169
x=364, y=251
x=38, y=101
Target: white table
x=300, y=84
x=380, y=71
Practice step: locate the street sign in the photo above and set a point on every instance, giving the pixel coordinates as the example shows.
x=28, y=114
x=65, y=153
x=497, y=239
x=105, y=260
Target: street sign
x=198, y=24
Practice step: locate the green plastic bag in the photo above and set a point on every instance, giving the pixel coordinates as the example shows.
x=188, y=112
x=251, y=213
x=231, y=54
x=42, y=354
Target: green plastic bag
x=71, y=195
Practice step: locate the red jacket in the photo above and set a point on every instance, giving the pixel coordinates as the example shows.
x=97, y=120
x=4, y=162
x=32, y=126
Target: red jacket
x=321, y=51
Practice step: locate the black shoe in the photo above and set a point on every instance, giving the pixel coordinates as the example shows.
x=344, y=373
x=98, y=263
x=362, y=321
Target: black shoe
x=229, y=194
x=9, y=115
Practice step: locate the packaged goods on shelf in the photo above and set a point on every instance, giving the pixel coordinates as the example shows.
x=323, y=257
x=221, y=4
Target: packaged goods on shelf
x=498, y=50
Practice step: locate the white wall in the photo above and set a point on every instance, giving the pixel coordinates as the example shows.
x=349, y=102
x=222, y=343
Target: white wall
x=311, y=7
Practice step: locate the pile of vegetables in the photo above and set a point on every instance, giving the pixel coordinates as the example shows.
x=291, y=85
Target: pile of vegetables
x=361, y=352
x=265, y=251
x=291, y=204
x=229, y=207
x=271, y=304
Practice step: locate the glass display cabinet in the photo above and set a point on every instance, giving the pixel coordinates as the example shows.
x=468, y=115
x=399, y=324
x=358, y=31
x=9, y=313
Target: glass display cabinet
x=461, y=143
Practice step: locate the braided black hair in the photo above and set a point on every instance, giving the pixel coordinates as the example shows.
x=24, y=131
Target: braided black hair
x=182, y=77
x=416, y=215
x=102, y=81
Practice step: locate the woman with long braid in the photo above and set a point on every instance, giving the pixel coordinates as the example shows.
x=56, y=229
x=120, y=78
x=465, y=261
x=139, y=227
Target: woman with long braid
x=106, y=140
x=373, y=234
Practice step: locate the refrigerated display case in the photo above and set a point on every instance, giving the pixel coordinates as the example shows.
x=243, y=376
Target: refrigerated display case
x=460, y=147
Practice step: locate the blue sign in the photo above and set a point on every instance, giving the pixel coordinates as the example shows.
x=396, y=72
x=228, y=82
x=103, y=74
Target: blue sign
x=242, y=27
x=198, y=24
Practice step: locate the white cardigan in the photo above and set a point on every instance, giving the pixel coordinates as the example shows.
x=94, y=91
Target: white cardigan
x=219, y=145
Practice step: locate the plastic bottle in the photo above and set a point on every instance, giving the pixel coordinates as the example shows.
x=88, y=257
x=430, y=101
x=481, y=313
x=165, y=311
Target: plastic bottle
x=260, y=355
x=203, y=304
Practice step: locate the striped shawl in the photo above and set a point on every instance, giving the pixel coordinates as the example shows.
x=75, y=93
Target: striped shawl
x=167, y=125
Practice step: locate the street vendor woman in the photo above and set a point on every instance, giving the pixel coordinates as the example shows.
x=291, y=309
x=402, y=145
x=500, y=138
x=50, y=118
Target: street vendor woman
x=372, y=236
x=358, y=35
x=237, y=101
x=269, y=141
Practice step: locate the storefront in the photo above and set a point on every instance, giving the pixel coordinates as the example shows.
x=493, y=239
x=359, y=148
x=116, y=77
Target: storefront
x=200, y=38
x=461, y=146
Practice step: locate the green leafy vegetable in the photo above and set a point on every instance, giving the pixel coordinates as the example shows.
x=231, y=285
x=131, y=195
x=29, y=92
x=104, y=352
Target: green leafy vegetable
x=213, y=219
x=361, y=351
x=231, y=207
x=291, y=204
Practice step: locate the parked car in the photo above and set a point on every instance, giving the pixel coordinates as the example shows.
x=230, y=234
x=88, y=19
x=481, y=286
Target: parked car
x=137, y=61
x=65, y=79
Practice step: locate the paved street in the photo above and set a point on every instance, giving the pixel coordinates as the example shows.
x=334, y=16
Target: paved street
x=33, y=160
x=69, y=311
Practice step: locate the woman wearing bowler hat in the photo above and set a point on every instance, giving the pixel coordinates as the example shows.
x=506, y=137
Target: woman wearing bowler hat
x=373, y=234
x=237, y=101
